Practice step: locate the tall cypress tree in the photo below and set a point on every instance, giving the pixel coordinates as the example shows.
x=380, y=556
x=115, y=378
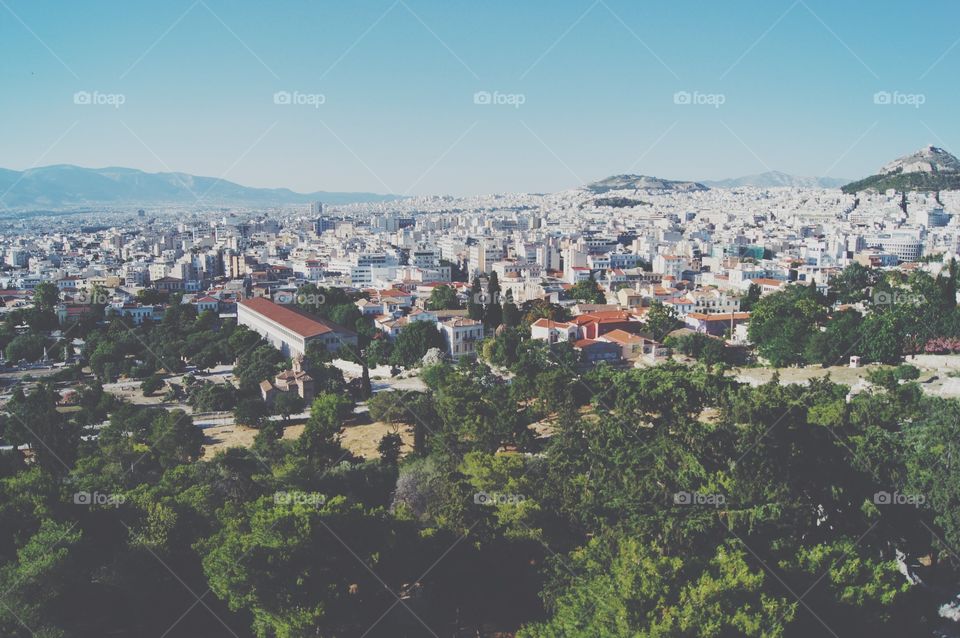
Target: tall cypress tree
x=474, y=305
x=493, y=311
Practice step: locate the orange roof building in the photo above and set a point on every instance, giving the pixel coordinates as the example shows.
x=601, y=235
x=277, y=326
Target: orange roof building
x=289, y=329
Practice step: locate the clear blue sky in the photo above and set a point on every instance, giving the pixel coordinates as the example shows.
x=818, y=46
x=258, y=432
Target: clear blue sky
x=597, y=81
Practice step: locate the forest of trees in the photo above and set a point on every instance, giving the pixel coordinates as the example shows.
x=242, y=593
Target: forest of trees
x=902, y=314
x=539, y=499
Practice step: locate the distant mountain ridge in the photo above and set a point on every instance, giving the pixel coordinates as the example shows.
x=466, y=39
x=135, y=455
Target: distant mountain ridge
x=776, y=179
x=64, y=186
x=929, y=169
x=642, y=182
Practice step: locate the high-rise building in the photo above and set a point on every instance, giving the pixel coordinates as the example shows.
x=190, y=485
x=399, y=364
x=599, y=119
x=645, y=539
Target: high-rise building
x=323, y=224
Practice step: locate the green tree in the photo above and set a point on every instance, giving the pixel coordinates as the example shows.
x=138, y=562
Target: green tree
x=587, y=291
x=840, y=339
x=39, y=583
x=36, y=422
x=782, y=323
x=149, y=296
x=151, y=384
x=254, y=366
x=288, y=403
x=46, y=296
x=710, y=350
x=265, y=561
x=750, y=299
x=443, y=298
x=251, y=412
x=322, y=431
x=389, y=448
x=511, y=313
x=854, y=283
x=475, y=303
x=493, y=309
x=26, y=346
x=174, y=439
x=413, y=342
x=379, y=351
x=543, y=309
x=660, y=320
x=622, y=587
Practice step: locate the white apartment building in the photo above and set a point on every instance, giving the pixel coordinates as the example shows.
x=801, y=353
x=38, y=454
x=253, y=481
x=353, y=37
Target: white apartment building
x=360, y=267
x=906, y=248
x=425, y=257
x=483, y=255
x=672, y=265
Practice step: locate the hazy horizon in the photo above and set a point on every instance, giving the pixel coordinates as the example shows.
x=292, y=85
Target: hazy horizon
x=413, y=97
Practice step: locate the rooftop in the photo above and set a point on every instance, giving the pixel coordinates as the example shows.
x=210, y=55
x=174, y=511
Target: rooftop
x=294, y=320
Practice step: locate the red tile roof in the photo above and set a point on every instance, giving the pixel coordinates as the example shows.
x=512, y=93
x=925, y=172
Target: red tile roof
x=738, y=316
x=603, y=316
x=621, y=336
x=550, y=323
x=297, y=321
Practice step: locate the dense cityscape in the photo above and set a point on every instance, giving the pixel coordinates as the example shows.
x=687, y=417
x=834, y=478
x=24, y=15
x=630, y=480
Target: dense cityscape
x=413, y=319
x=220, y=387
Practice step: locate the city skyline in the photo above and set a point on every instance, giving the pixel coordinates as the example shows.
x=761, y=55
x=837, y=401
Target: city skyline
x=411, y=97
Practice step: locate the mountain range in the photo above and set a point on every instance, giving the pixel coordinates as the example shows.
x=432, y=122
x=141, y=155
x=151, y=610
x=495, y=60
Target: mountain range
x=774, y=179
x=929, y=169
x=64, y=186
x=644, y=183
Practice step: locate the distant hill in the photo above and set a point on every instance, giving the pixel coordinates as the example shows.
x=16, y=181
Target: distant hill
x=644, y=183
x=929, y=169
x=65, y=186
x=775, y=179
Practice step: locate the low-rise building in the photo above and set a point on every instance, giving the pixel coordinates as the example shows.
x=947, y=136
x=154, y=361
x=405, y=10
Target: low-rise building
x=461, y=335
x=291, y=330
x=553, y=331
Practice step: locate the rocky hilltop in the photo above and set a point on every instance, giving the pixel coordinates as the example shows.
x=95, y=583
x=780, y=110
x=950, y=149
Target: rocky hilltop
x=929, y=169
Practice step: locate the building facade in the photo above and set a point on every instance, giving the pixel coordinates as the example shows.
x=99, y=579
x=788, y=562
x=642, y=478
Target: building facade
x=291, y=330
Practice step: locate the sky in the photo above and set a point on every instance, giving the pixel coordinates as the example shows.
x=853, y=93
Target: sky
x=470, y=97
